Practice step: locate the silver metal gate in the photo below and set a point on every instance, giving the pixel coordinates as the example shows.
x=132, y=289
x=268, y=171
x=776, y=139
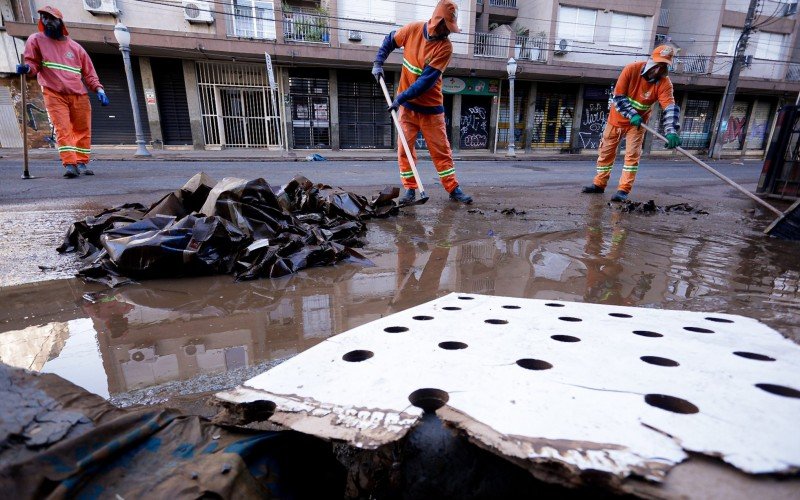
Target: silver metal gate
x=236, y=105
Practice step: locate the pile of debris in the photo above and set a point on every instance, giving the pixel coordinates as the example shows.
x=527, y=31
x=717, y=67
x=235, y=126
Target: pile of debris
x=650, y=207
x=236, y=226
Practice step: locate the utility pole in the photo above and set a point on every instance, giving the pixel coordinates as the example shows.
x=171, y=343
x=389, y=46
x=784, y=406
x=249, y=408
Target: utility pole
x=715, y=151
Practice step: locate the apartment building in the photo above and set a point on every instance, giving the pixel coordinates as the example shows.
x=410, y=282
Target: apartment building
x=202, y=81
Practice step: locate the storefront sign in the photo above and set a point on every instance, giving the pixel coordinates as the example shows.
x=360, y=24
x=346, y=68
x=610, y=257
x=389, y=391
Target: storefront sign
x=470, y=86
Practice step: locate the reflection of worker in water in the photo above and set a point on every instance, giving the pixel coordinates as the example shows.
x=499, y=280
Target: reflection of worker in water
x=640, y=85
x=604, y=270
x=109, y=315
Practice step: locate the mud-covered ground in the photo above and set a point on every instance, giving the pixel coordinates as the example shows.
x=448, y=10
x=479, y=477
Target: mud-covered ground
x=528, y=234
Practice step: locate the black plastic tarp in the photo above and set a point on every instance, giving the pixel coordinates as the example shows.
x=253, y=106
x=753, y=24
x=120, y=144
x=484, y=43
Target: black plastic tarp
x=235, y=226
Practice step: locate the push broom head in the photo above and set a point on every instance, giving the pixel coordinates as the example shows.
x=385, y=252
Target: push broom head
x=787, y=226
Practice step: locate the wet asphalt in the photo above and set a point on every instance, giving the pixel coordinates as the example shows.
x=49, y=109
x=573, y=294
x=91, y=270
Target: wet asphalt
x=147, y=342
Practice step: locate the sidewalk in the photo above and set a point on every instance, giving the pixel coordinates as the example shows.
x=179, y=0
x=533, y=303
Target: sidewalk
x=124, y=153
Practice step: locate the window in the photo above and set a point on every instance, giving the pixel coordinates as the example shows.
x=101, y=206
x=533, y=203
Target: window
x=372, y=10
x=728, y=38
x=253, y=19
x=576, y=24
x=770, y=45
x=627, y=30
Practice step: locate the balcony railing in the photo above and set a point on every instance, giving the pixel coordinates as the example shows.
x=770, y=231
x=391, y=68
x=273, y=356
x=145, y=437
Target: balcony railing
x=663, y=18
x=251, y=19
x=299, y=26
x=793, y=72
x=508, y=4
x=695, y=64
x=532, y=48
x=491, y=45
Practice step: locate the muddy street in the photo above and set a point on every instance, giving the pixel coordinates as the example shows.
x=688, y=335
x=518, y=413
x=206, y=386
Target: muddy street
x=538, y=239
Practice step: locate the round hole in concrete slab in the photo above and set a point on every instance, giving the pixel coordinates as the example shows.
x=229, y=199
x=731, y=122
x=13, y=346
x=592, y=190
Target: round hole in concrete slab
x=496, y=321
x=671, y=403
x=554, y=304
x=755, y=356
x=423, y=318
x=534, y=364
x=463, y=297
x=570, y=319
x=357, y=355
x=428, y=399
x=647, y=333
x=780, y=390
x=719, y=320
x=565, y=338
x=451, y=308
x=137, y=356
x=190, y=350
x=620, y=315
x=512, y=307
x=395, y=329
x=451, y=345
x=659, y=361
x=697, y=329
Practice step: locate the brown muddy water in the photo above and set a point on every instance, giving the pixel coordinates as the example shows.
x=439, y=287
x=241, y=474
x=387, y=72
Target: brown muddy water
x=143, y=343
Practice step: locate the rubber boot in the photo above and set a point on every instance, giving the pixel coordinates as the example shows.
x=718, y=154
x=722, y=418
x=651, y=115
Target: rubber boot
x=458, y=195
x=83, y=170
x=592, y=189
x=408, y=197
x=619, y=196
x=70, y=171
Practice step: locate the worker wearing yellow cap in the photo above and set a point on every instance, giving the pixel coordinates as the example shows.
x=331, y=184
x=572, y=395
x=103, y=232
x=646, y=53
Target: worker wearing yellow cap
x=639, y=86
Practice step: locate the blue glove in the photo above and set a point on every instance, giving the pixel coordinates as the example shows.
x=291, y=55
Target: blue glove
x=377, y=72
x=102, y=97
x=636, y=120
x=23, y=69
x=394, y=106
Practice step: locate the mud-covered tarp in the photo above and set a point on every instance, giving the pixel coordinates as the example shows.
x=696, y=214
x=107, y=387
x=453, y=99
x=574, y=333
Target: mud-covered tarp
x=60, y=441
x=235, y=226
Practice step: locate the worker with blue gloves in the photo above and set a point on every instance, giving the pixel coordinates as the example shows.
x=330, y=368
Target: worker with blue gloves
x=64, y=70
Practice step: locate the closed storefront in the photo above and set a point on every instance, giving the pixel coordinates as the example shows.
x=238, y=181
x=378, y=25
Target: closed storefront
x=758, y=128
x=363, y=120
x=521, y=90
x=238, y=106
x=697, y=121
x=734, y=135
x=173, y=109
x=310, y=109
x=476, y=96
x=594, y=115
x=114, y=124
x=553, y=118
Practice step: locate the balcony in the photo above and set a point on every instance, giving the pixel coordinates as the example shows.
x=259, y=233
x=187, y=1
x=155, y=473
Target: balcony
x=693, y=64
x=251, y=19
x=505, y=4
x=793, y=72
x=492, y=45
x=531, y=48
x=301, y=25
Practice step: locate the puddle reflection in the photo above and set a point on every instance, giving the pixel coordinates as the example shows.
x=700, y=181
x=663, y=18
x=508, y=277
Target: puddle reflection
x=116, y=341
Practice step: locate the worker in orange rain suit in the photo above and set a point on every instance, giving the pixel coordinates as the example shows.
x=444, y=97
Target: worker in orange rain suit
x=426, y=54
x=639, y=86
x=61, y=67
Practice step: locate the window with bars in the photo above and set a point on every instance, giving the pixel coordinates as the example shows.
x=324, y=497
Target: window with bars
x=698, y=118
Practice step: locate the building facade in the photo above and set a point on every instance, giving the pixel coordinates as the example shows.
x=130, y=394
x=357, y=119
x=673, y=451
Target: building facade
x=202, y=81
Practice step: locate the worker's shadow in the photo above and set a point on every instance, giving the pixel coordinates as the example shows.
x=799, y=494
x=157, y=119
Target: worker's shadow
x=604, y=257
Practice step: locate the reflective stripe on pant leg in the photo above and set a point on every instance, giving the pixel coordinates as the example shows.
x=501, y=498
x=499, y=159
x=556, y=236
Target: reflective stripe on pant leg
x=434, y=130
x=633, y=153
x=82, y=126
x=58, y=107
x=409, y=122
x=607, y=154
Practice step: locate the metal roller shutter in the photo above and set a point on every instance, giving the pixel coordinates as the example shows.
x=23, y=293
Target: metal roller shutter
x=114, y=124
x=363, y=120
x=173, y=108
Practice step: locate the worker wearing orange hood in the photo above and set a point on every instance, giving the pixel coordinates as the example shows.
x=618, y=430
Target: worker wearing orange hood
x=426, y=53
x=64, y=70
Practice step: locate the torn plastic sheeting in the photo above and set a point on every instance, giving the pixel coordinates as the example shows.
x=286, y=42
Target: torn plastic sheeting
x=304, y=225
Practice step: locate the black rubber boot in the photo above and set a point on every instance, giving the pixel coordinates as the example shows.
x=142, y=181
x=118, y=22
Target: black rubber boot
x=70, y=171
x=83, y=170
x=458, y=195
x=593, y=189
x=408, y=197
x=619, y=196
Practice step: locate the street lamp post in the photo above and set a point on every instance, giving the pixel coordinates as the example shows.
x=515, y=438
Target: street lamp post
x=511, y=66
x=123, y=37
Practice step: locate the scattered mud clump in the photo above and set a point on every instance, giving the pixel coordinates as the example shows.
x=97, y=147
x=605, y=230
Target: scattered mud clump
x=650, y=207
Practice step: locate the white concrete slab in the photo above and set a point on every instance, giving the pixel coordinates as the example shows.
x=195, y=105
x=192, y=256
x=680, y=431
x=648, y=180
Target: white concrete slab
x=616, y=389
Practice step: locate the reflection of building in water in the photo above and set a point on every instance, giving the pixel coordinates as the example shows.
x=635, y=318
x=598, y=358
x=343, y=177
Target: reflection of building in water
x=32, y=347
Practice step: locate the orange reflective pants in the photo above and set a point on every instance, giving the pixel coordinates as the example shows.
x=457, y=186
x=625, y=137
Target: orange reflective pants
x=434, y=131
x=71, y=115
x=612, y=136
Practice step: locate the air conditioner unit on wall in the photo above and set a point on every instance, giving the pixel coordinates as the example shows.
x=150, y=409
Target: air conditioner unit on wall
x=196, y=11
x=354, y=36
x=562, y=47
x=101, y=6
